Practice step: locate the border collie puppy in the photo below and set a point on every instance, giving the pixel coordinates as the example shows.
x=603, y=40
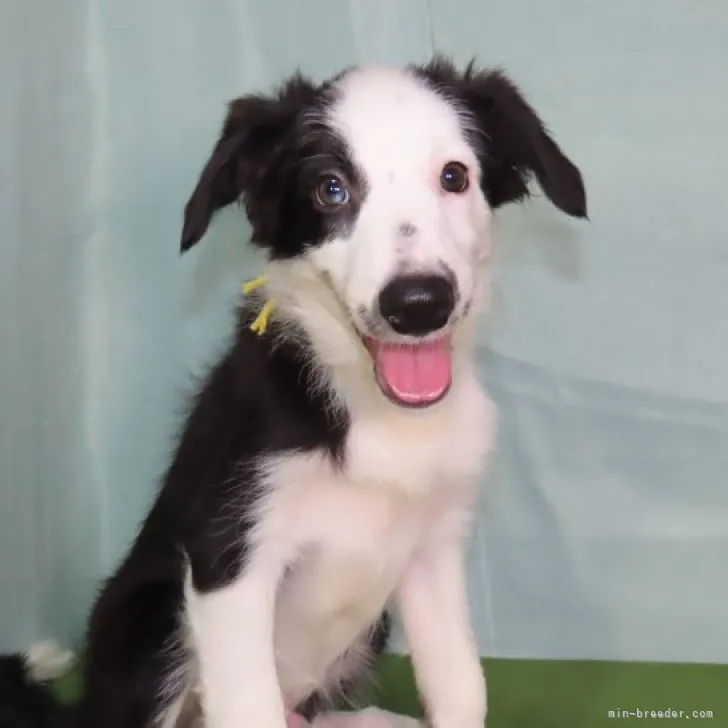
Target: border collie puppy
x=329, y=465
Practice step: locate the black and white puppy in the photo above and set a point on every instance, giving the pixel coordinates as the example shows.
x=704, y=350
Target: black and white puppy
x=329, y=465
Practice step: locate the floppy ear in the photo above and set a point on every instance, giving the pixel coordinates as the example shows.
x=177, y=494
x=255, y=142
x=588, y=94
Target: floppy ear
x=518, y=146
x=252, y=136
x=514, y=143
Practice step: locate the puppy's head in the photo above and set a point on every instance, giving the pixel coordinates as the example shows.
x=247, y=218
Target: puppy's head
x=381, y=184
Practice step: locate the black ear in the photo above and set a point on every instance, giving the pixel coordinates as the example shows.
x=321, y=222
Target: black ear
x=252, y=136
x=514, y=144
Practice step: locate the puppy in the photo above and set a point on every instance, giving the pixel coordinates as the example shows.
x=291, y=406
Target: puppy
x=329, y=465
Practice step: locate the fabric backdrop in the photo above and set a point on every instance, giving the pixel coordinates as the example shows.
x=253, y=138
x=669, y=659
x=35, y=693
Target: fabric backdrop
x=603, y=531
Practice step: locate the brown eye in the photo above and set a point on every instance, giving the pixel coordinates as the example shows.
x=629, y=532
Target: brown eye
x=332, y=192
x=454, y=177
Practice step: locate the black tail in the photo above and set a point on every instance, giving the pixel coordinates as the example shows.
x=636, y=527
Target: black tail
x=25, y=702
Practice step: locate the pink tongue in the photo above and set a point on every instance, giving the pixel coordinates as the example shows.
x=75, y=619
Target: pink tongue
x=413, y=374
x=294, y=720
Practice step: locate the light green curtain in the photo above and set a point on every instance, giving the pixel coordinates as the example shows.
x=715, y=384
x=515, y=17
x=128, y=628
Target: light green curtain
x=603, y=530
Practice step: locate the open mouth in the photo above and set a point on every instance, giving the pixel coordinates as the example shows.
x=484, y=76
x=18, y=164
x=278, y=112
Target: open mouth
x=412, y=374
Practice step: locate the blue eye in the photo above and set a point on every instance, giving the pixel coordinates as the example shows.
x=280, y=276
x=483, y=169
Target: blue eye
x=332, y=192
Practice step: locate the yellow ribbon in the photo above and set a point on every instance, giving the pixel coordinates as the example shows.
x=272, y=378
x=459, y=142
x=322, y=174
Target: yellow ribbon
x=260, y=325
x=254, y=283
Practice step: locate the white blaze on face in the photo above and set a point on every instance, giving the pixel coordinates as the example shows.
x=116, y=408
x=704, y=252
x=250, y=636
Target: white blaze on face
x=400, y=134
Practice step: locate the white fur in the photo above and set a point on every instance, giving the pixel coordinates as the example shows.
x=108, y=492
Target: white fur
x=48, y=660
x=444, y=651
x=389, y=524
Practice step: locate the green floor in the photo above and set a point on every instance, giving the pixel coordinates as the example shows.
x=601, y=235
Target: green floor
x=555, y=694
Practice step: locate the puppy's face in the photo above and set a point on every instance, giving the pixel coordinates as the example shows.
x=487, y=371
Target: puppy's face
x=383, y=182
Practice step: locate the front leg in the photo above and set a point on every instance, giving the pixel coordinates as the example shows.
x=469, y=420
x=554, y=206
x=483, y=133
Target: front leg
x=433, y=605
x=231, y=628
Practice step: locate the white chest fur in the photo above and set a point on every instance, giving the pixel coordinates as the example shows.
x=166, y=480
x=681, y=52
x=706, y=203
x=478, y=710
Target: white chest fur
x=352, y=531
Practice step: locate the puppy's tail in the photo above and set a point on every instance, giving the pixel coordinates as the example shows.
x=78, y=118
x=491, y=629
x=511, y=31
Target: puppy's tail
x=25, y=701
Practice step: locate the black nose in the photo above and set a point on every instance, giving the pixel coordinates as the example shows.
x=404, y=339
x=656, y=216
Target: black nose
x=417, y=305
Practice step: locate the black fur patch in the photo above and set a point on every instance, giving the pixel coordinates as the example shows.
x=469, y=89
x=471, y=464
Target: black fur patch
x=272, y=153
x=24, y=703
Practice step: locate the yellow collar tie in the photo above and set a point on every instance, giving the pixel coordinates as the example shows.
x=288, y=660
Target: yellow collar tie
x=260, y=324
